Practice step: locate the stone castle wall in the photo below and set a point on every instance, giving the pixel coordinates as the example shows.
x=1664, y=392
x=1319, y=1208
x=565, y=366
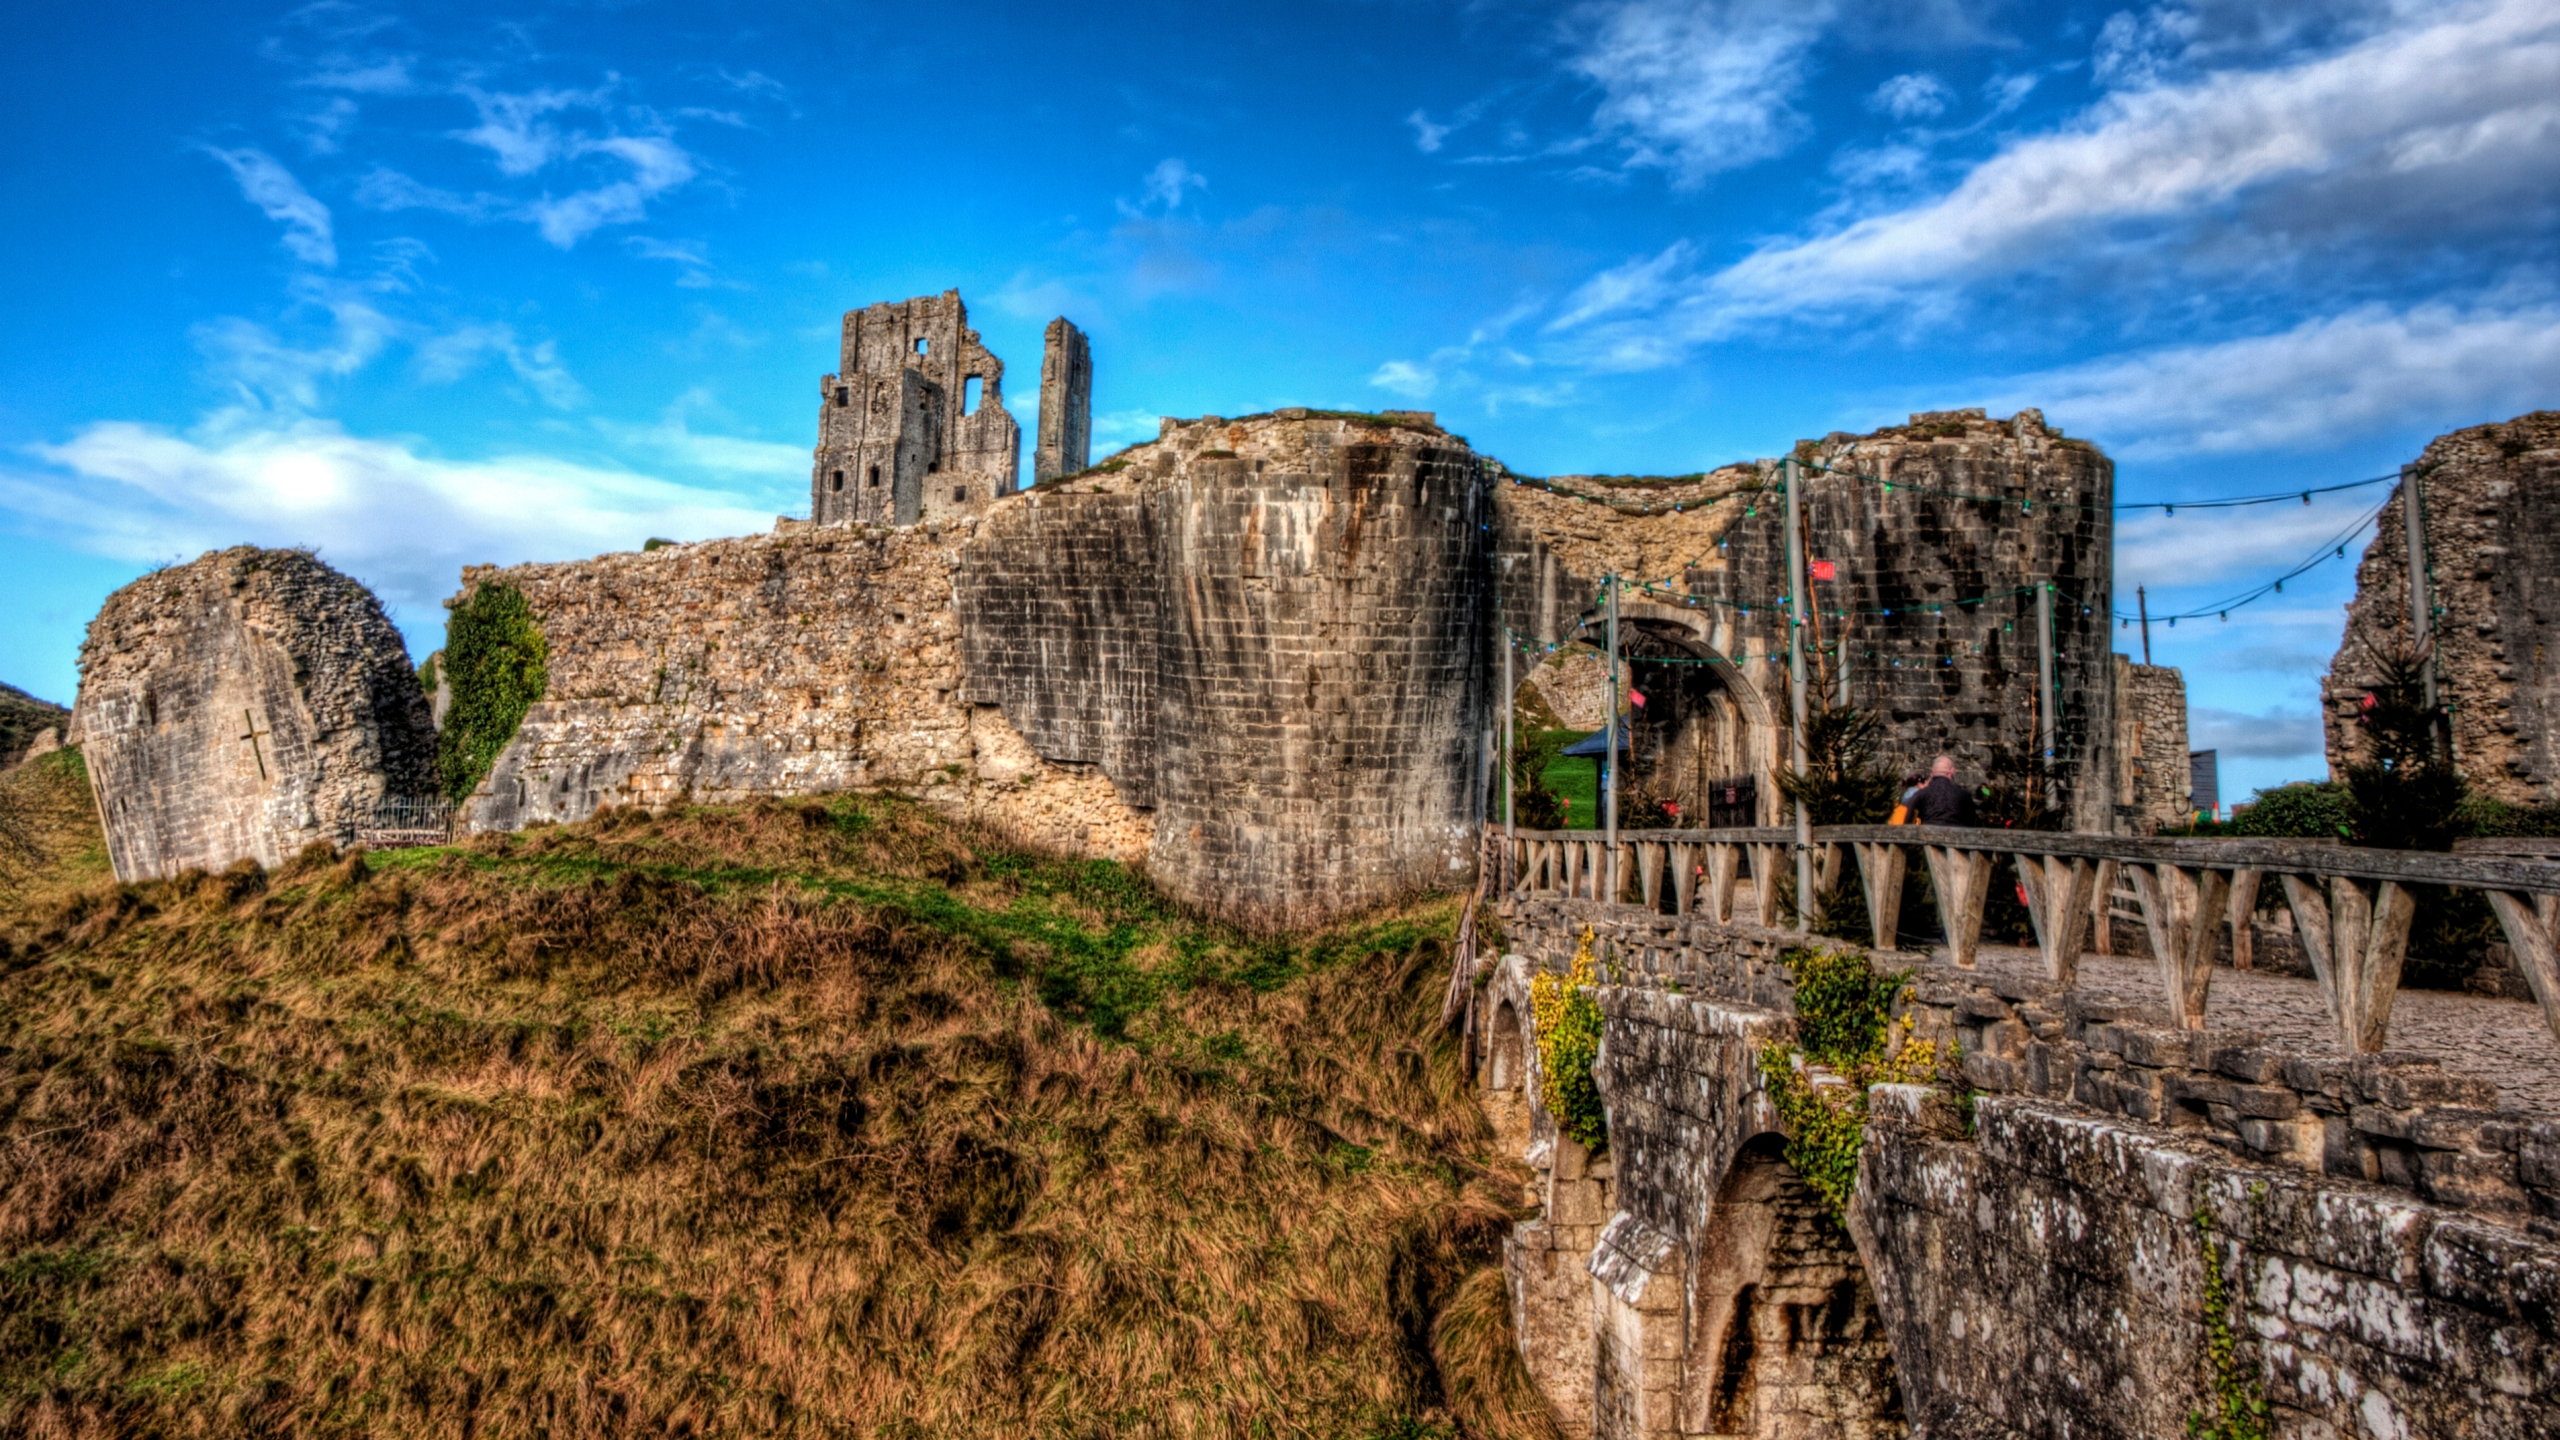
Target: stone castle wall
x=1267, y=630
x=2492, y=505
x=901, y=436
x=2152, y=772
x=810, y=660
x=242, y=707
x=1949, y=523
x=1066, y=403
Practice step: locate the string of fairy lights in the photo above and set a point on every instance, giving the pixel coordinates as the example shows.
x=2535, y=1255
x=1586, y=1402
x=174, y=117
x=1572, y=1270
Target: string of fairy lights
x=2331, y=550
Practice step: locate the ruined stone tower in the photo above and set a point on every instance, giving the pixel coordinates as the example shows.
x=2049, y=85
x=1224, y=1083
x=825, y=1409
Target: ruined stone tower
x=2491, y=512
x=1066, y=404
x=912, y=424
x=241, y=707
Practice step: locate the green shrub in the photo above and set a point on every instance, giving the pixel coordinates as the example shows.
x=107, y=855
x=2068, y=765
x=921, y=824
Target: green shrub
x=2305, y=810
x=496, y=662
x=1568, y=1022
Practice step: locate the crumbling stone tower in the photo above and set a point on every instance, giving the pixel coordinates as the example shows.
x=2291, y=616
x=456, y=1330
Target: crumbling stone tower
x=1066, y=404
x=912, y=425
x=2491, y=514
x=241, y=707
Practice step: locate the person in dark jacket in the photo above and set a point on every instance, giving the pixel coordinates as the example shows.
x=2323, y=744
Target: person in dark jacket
x=1942, y=801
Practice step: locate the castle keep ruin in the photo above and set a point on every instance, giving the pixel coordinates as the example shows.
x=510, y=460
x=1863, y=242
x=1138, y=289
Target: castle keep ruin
x=2492, y=528
x=912, y=424
x=242, y=707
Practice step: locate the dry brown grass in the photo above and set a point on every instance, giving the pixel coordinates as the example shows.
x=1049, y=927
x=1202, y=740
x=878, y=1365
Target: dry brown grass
x=733, y=1122
x=50, y=844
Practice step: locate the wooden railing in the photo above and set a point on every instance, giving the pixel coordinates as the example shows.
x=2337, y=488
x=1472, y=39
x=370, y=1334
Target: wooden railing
x=2351, y=906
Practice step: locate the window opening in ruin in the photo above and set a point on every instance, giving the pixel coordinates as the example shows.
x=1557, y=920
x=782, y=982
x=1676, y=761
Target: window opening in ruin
x=922, y=346
x=969, y=389
x=875, y=477
x=844, y=396
x=933, y=467
x=839, y=480
x=959, y=494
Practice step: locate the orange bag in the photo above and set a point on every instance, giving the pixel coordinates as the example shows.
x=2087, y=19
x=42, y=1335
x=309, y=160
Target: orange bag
x=1901, y=815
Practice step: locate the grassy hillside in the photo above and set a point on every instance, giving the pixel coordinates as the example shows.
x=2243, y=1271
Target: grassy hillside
x=50, y=844
x=21, y=716
x=797, y=1119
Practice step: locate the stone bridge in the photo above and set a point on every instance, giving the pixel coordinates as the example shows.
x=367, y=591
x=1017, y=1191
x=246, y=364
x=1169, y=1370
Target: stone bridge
x=2036, y=1254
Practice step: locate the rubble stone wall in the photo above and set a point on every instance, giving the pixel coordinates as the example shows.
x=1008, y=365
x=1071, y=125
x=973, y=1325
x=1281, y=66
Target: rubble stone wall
x=241, y=707
x=2387, y=1240
x=810, y=660
x=2153, y=784
x=2491, y=501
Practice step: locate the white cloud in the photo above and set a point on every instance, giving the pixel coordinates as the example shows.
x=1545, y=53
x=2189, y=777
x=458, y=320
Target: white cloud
x=1403, y=377
x=1911, y=97
x=657, y=166
x=1119, y=429
x=2139, y=50
x=266, y=373
x=2281, y=733
x=2328, y=378
x=272, y=188
x=1698, y=88
x=2378, y=109
x=383, y=188
x=2206, y=553
x=1427, y=137
x=442, y=359
x=403, y=520
x=1166, y=184
x=513, y=129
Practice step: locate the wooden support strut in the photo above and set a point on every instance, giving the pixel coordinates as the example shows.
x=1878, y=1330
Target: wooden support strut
x=1764, y=881
x=2356, y=935
x=2102, y=909
x=2182, y=906
x=1649, y=872
x=2244, y=905
x=2529, y=924
x=2058, y=889
x=1724, y=870
x=1684, y=878
x=1963, y=881
x=1880, y=870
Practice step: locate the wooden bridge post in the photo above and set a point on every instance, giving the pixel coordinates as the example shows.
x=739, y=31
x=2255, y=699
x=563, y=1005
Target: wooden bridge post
x=2182, y=906
x=2528, y=920
x=1963, y=881
x=2058, y=889
x=1880, y=870
x=2356, y=935
x=1724, y=871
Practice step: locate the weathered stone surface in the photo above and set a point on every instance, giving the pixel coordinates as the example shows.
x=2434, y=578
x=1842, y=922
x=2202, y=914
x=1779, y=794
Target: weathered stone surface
x=912, y=425
x=2040, y=1271
x=810, y=660
x=2492, y=505
x=2153, y=786
x=1066, y=404
x=1266, y=630
x=242, y=707
x=1980, y=513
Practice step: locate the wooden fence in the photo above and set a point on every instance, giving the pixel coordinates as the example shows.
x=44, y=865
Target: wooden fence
x=2351, y=906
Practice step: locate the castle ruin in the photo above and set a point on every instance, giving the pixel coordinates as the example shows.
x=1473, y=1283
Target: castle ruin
x=2491, y=516
x=912, y=425
x=242, y=707
x=1066, y=404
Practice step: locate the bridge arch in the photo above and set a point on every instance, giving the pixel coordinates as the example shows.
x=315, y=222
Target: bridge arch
x=1785, y=1338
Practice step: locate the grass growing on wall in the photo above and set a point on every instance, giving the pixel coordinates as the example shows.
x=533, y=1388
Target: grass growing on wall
x=495, y=661
x=806, y=1118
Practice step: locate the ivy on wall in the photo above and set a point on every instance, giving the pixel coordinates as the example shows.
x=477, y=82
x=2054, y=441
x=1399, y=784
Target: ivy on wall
x=1845, y=1025
x=496, y=662
x=1568, y=1023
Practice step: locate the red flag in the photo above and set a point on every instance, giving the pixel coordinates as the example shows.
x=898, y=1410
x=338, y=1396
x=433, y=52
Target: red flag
x=1825, y=570
x=1636, y=695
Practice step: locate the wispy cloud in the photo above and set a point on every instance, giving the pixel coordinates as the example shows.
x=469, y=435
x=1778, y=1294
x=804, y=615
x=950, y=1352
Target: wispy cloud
x=272, y=188
x=445, y=358
x=2281, y=733
x=1166, y=184
x=1696, y=87
x=2329, y=377
x=1911, y=97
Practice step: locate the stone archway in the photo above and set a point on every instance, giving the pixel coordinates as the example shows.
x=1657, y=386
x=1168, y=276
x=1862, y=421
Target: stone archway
x=1719, y=723
x=1505, y=1078
x=1785, y=1340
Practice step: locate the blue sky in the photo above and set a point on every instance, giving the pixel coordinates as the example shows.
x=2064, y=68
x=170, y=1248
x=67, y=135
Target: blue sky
x=438, y=285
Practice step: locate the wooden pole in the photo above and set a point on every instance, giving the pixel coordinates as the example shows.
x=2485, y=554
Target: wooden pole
x=1796, y=689
x=1609, y=757
x=2047, y=727
x=2413, y=519
x=1510, y=828
x=2142, y=603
